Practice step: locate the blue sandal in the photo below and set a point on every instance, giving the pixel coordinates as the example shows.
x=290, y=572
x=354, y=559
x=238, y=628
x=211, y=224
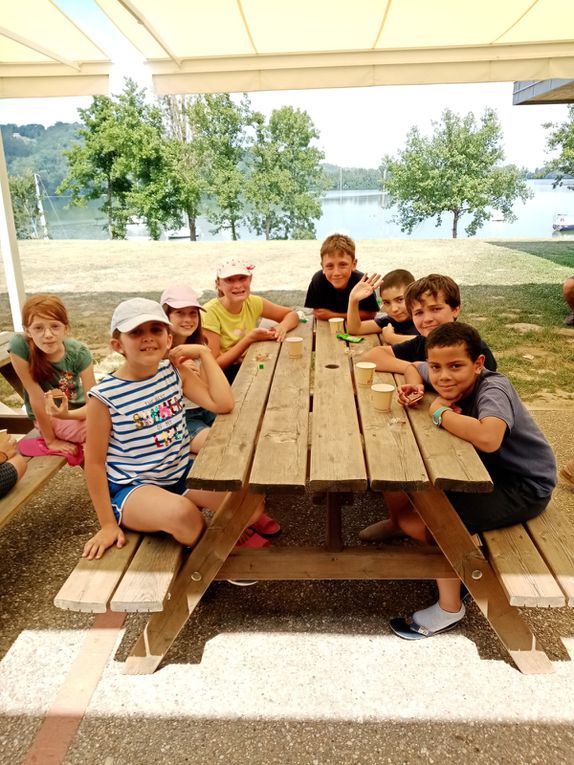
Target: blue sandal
x=408, y=629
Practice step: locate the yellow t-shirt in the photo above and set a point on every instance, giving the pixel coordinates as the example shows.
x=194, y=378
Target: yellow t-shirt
x=231, y=327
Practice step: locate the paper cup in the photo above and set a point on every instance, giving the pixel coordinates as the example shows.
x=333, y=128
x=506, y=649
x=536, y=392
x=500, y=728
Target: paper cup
x=337, y=325
x=294, y=346
x=364, y=371
x=382, y=394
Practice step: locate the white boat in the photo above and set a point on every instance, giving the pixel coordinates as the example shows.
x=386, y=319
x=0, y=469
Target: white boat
x=181, y=233
x=497, y=216
x=563, y=222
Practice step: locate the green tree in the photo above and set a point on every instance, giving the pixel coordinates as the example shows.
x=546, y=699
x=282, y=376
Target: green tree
x=121, y=146
x=220, y=137
x=457, y=171
x=24, y=206
x=286, y=179
x=562, y=137
x=183, y=162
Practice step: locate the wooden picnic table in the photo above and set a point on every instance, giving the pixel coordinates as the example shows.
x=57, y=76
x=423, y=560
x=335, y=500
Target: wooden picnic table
x=301, y=424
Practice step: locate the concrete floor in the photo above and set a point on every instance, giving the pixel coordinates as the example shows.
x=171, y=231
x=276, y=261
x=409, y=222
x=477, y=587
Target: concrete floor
x=304, y=672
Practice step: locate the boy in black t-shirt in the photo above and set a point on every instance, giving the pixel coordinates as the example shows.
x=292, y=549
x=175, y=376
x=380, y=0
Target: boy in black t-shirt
x=432, y=300
x=329, y=290
x=396, y=325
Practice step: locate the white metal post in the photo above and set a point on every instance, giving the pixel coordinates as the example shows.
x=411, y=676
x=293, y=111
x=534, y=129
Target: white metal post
x=9, y=247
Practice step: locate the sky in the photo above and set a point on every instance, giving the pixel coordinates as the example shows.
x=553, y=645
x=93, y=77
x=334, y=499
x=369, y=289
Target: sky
x=357, y=126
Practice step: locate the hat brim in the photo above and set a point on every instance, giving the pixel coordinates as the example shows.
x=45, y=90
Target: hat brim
x=129, y=324
x=182, y=304
x=233, y=272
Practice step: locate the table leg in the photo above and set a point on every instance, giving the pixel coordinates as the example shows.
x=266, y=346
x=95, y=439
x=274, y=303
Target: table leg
x=8, y=373
x=476, y=572
x=192, y=581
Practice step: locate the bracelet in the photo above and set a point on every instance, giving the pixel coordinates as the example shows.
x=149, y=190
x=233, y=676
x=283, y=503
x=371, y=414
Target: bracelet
x=6, y=457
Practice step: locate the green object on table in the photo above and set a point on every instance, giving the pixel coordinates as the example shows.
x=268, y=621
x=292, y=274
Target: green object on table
x=349, y=338
x=261, y=366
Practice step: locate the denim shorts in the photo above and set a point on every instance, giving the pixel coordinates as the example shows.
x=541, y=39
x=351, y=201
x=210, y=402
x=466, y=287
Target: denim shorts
x=120, y=492
x=197, y=420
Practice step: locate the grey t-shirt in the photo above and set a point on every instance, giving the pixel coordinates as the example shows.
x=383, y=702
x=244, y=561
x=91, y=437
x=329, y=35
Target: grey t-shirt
x=524, y=450
x=66, y=371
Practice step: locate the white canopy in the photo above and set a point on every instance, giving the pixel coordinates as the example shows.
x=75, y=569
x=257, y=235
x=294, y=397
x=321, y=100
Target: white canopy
x=247, y=45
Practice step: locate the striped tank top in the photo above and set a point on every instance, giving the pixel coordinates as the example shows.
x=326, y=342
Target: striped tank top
x=149, y=441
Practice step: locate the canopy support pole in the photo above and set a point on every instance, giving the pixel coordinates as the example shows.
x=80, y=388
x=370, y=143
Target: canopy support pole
x=9, y=247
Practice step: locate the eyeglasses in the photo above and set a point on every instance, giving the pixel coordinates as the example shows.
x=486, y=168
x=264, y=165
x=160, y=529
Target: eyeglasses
x=54, y=327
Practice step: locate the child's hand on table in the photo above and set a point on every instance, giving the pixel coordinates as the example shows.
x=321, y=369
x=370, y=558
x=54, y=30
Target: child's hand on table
x=410, y=395
x=439, y=401
x=261, y=333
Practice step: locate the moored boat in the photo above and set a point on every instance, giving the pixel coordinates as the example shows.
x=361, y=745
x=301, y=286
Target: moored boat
x=563, y=222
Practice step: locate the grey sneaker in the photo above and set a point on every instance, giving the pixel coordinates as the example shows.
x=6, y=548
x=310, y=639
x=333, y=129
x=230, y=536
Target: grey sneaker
x=569, y=320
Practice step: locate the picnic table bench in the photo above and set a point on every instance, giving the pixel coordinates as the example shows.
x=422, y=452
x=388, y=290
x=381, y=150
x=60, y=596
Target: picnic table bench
x=302, y=425
x=40, y=469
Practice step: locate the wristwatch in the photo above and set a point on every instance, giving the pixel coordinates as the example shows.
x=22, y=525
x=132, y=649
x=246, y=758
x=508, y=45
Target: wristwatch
x=437, y=416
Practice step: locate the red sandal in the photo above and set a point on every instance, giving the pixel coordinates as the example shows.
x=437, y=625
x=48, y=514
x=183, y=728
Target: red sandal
x=251, y=540
x=266, y=526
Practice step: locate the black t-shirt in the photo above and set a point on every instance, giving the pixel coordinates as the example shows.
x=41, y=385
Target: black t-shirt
x=322, y=294
x=405, y=327
x=414, y=350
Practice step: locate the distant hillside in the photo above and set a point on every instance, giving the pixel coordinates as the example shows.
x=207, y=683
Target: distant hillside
x=352, y=177
x=39, y=149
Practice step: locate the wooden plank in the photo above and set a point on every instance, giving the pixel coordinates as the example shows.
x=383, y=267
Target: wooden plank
x=39, y=472
x=145, y=584
x=224, y=460
x=393, y=458
x=280, y=462
x=553, y=534
x=357, y=563
x=478, y=575
x=92, y=583
x=195, y=576
x=15, y=423
x=337, y=462
x=524, y=576
x=451, y=463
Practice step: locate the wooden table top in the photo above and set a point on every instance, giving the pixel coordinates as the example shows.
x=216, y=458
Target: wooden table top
x=303, y=424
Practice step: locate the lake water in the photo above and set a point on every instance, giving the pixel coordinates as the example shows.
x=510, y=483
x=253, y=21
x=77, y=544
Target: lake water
x=358, y=213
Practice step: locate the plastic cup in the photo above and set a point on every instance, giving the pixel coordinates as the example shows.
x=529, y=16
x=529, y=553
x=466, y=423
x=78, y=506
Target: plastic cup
x=337, y=325
x=364, y=371
x=382, y=394
x=294, y=346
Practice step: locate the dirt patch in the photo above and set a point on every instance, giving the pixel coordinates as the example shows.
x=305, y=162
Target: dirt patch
x=524, y=327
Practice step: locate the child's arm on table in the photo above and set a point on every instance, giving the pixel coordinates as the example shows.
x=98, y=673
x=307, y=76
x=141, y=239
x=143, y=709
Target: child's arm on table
x=236, y=351
x=385, y=360
x=63, y=412
x=286, y=318
x=210, y=389
x=362, y=289
x=37, y=402
x=324, y=314
x=485, y=435
x=391, y=337
x=99, y=427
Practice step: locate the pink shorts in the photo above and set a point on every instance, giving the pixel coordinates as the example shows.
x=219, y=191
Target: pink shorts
x=73, y=431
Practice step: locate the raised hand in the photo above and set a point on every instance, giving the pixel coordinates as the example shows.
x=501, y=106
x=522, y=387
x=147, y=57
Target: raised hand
x=365, y=287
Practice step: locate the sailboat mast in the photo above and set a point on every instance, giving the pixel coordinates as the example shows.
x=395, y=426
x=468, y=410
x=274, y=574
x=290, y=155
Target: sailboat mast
x=40, y=206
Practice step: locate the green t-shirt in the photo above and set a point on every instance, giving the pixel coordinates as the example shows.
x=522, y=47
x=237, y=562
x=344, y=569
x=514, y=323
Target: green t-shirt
x=66, y=371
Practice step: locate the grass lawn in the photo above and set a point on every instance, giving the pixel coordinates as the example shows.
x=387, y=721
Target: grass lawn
x=539, y=361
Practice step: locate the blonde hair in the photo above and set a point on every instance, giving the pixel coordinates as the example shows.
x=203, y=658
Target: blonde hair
x=338, y=243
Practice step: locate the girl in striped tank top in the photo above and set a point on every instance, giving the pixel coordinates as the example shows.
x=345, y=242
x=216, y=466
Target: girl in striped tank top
x=137, y=448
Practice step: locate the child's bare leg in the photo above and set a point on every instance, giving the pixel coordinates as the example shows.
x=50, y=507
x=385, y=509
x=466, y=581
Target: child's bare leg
x=198, y=440
x=150, y=508
x=449, y=594
x=403, y=520
x=213, y=499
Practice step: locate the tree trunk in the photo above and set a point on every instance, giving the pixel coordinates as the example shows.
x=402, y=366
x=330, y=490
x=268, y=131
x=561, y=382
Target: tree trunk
x=455, y=218
x=233, y=231
x=191, y=224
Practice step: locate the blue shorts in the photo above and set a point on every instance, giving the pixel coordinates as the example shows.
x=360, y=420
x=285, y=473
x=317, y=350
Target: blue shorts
x=197, y=420
x=119, y=492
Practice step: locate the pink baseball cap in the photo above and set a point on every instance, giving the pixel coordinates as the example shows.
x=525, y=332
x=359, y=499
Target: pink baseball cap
x=180, y=296
x=233, y=267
